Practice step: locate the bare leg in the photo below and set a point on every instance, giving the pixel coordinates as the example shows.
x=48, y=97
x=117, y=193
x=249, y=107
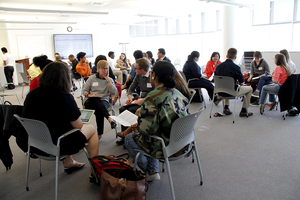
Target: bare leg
x=91, y=135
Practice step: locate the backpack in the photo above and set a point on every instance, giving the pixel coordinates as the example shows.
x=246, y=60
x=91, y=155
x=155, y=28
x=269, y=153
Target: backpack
x=102, y=162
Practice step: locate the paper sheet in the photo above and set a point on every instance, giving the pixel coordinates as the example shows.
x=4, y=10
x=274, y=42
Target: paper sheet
x=126, y=118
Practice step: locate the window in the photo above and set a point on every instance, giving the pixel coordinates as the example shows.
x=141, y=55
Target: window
x=210, y=21
x=161, y=26
x=298, y=10
x=150, y=28
x=172, y=26
x=140, y=29
x=261, y=16
x=283, y=11
x=183, y=25
x=195, y=23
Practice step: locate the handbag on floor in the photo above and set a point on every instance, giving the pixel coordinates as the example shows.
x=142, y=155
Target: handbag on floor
x=102, y=162
x=123, y=184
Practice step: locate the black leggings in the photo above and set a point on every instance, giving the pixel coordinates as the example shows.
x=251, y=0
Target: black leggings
x=100, y=107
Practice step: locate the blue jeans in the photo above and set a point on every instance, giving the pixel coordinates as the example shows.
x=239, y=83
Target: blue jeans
x=264, y=80
x=263, y=93
x=147, y=164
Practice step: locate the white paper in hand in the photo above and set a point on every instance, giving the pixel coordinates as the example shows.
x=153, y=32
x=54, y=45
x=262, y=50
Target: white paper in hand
x=126, y=118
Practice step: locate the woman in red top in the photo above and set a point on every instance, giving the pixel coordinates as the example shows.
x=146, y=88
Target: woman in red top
x=282, y=71
x=212, y=64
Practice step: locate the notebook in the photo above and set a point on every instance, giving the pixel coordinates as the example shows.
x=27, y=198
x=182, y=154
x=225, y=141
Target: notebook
x=86, y=115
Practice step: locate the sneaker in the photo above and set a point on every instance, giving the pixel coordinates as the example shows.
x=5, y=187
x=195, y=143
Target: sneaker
x=255, y=103
x=153, y=177
x=227, y=111
x=244, y=114
x=255, y=93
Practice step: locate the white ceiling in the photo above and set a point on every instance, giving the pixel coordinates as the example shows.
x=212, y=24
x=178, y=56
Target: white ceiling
x=119, y=11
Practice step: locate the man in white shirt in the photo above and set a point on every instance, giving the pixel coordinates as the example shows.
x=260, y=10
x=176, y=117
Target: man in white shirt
x=117, y=72
x=8, y=62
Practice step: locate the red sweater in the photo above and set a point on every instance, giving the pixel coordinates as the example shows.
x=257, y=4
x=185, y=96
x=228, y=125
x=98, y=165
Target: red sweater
x=210, y=68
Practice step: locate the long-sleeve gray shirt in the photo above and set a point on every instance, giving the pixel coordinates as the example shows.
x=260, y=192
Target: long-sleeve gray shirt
x=95, y=85
x=143, y=82
x=262, y=68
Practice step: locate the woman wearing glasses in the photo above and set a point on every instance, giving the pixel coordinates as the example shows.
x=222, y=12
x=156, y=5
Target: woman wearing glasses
x=96, y=91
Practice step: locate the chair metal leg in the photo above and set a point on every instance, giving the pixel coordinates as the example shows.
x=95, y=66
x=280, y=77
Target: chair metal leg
x=198, y=162
x=27, y=168
x=40, y=167
x=56, y=177
x=18, y=99
x=170, y=178
x=212, y=103
x=234, y=110
x=23, y=89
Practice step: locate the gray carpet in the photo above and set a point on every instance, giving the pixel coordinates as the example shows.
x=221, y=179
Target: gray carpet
x=255, y=158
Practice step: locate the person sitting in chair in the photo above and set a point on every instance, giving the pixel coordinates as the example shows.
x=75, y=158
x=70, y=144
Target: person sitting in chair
x=142, y=79
x=160, y=109
x=229, y=68
x=96, y=91
x=53, y=104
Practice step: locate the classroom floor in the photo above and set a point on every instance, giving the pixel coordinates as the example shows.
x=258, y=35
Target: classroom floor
x=254, y=158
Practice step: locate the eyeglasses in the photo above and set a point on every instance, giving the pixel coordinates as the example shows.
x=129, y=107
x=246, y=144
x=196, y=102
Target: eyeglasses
x=104, y=68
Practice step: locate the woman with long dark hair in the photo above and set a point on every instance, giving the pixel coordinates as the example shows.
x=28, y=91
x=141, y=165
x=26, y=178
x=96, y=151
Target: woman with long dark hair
x=192, y=71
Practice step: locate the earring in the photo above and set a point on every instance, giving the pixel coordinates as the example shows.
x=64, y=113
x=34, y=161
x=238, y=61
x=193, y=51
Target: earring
x=152, y=78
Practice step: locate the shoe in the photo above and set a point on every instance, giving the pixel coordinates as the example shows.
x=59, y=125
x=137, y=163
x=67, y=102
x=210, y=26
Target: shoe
x=227, y=111
x=244, y=114
x=255, y=103
x=272, y=106
x=120, y=142
x=73, y=167
x=261, y=108
x=115, y=100
x=293, y=112
x=255, y=93
x=113, y=125
x=153, y=177
x=217, y=102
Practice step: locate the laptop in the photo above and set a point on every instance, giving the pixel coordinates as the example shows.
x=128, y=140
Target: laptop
x=86, y=115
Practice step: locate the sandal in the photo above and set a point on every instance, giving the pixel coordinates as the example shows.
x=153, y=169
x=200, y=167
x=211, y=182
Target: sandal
x=73, y=167
x=272, y=106
x=121, y=134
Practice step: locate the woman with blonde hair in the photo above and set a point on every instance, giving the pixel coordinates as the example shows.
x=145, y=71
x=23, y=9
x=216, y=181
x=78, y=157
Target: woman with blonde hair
x=289, y=60
x=96, y=91
x=282, y=71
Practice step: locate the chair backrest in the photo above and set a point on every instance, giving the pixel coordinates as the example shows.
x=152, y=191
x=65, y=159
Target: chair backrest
x=39, y=135
x=182, y=133
x=24, y=77
x=183, y=75
x=225, y=84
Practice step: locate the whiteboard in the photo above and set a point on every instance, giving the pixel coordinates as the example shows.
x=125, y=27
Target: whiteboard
x=30, y=46
x=270, y=55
